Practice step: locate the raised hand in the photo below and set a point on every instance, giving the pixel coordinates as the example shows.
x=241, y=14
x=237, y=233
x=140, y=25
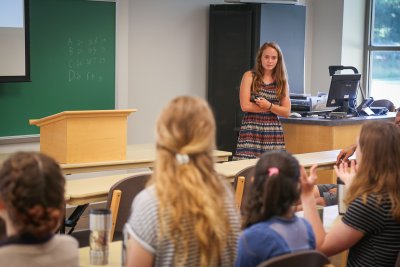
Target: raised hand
x=346, y=171
x=308, y=181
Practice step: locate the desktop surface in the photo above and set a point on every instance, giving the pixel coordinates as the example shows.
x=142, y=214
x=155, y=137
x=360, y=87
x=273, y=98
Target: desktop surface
x=325, y=120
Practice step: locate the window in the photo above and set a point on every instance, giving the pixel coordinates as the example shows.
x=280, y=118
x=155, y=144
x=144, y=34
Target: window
x=383, y=50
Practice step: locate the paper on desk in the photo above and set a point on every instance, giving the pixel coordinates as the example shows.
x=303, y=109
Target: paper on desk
x=330, y=215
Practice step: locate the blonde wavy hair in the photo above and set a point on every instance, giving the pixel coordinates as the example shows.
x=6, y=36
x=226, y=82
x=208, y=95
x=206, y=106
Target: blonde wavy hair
x=190, y=193
x=379, y=169
x=279, y=72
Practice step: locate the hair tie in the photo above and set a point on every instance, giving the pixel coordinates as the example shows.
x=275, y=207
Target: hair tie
x=39, y=163
x=182, y=158
x=273, y=170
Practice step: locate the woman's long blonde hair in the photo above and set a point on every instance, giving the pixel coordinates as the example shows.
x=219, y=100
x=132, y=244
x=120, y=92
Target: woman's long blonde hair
x=379, y=169
x=190, y=192
x=279, y=72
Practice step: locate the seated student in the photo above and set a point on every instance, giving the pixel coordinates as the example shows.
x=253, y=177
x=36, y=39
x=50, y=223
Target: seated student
x=32, y=206
x=371, y=226
x=270, y=226
x=187, y=215
x=326, y=194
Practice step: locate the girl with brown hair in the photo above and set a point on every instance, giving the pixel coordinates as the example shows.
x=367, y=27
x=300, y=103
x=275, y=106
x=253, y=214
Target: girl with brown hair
x=32, y=206
x=370, y=228
x=186, y=216
x=264, y=95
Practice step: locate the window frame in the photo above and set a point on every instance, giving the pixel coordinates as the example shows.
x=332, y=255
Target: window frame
x=369, y=48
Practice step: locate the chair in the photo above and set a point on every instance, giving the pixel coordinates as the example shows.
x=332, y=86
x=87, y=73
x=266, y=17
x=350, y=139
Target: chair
x=120, y=197
x=309, y=258
x=398, y=260
x=384, y=103
x=241, y=184
x=114, y=206
x=239, y=191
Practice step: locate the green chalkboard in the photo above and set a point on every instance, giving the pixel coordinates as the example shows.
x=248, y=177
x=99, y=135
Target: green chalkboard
x=72, y=44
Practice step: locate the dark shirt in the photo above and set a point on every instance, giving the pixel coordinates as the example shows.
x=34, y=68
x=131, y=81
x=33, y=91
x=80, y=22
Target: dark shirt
x=25, y=240
x=381, y=241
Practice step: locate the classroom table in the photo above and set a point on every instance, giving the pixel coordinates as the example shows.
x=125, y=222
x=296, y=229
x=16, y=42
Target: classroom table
x=95, y=189
x=114, y=258
x=331, y=216
x=91, y=190
x=324, y=159
x=137, y=156
x=82, y=192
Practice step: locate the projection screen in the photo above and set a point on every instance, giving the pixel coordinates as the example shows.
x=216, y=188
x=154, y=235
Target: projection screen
x=14, y=41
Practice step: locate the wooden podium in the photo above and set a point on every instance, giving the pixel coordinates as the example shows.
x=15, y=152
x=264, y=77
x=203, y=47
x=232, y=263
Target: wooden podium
x=84, y=136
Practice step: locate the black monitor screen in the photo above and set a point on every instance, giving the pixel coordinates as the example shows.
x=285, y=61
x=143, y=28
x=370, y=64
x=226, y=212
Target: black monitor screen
x=343, y=91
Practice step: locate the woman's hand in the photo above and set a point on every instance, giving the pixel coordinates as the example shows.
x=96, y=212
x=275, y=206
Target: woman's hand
x=308, y=181
x=345, y=172
x=263, y=103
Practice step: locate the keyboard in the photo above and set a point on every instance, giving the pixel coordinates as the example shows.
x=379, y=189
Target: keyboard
x=329, y=109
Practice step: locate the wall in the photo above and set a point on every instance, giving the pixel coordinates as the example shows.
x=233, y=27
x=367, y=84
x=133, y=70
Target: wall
x=168, y=50
x=337, y=34
x=353, y=34
x=326, y=30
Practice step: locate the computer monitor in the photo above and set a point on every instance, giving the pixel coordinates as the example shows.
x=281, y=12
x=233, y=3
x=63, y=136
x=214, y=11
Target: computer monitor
x=343, y=91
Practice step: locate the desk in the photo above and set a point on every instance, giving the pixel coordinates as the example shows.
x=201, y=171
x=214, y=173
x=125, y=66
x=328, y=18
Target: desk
x=331, y=217
x=114, y=259
x=81, y=192
x=115, y=249
x=303, y=135
x=137, y=156
x=324, y=159
x=89, y=190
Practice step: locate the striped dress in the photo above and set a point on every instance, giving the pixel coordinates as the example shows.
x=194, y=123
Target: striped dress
x=260, y=132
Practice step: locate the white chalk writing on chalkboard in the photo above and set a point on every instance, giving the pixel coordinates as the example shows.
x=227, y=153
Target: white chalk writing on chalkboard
x=85, y=56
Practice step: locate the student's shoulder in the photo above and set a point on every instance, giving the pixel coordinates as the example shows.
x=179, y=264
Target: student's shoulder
x=65, y=239
x=259, y=229
x=63, y=243
x=147, y=195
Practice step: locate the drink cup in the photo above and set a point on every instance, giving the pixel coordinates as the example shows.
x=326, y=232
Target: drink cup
x=341, y=192
x=100, y=226
x=320, y=210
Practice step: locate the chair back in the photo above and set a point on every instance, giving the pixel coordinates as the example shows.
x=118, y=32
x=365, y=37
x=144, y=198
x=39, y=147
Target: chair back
x=309, y=258
x=239, y=189
x=384, y=103
x=398, y=260
x=129, y=188
x=241, y=185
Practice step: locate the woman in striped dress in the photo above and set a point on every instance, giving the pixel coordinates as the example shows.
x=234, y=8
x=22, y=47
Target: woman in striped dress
x=264, y=95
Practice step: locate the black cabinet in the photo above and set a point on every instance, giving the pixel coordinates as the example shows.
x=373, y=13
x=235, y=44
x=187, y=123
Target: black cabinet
x=236, y=32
